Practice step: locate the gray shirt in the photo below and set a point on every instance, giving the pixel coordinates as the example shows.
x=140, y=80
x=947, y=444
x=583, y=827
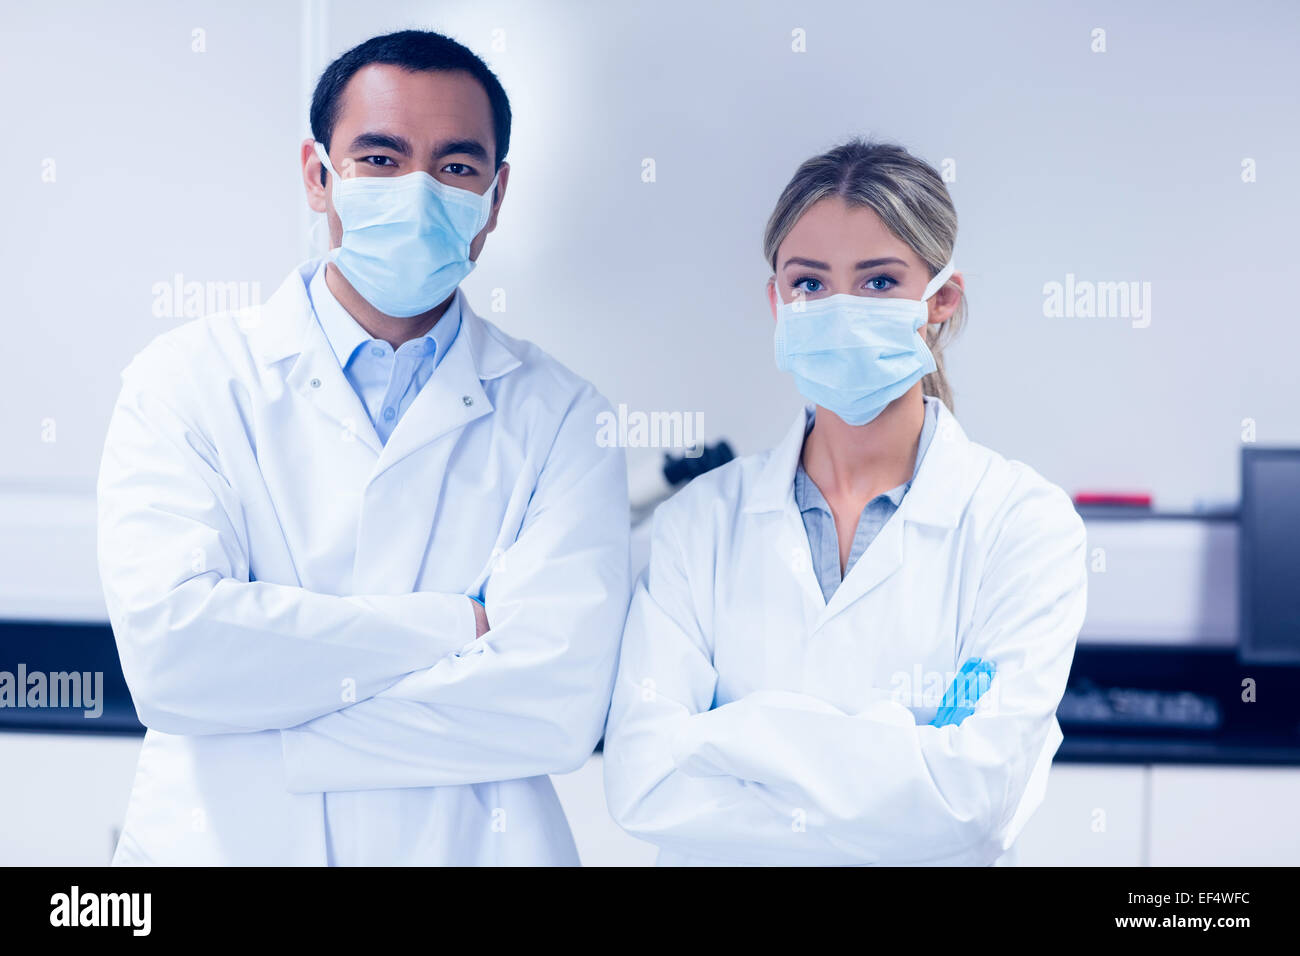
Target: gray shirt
x=820, y=523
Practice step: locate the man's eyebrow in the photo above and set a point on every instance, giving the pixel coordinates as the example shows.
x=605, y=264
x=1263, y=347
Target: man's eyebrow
x=381, y=141
x=462, y=147
x=808, y=263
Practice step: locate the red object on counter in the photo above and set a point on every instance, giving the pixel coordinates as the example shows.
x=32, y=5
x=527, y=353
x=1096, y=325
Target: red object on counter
x=1111, y=498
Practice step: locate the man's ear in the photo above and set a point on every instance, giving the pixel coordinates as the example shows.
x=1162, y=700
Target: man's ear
x=944, y=302
x=317, y=195
x=503, y=177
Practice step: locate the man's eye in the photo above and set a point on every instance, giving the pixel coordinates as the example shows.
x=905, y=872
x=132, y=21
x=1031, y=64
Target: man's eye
x=458, y=169
x=379, y=161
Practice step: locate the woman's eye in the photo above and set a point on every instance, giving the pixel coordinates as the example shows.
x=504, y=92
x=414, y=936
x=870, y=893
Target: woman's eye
x=809, y=286
x=881, y=284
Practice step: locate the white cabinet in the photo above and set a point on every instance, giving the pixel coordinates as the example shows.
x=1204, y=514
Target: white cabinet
x=1165, y=815
x=1225, y=816
x=64, y=797
x=1093, y=815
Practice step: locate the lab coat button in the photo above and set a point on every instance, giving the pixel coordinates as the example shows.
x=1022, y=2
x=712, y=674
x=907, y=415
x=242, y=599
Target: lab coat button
x=467, y=400
x=315, y=383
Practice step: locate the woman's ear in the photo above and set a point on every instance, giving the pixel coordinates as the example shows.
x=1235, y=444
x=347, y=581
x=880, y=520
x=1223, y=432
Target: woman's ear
x=944, y=302
x=772, y=296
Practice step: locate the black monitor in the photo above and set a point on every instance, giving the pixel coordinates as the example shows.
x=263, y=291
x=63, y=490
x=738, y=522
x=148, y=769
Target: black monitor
x=1270, y=556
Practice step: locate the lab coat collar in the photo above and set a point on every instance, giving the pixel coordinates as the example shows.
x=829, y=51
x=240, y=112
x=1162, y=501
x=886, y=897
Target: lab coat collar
x=774, y=489
x=280, y=327
x=938, y=494
x=454, y=396
x=276, y=328
x=346, y=335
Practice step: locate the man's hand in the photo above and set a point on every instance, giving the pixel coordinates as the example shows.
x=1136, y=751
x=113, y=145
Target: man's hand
x=480, y=619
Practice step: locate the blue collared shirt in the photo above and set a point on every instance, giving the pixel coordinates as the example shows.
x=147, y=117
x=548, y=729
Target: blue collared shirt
x=386, y=381
x=819, y=523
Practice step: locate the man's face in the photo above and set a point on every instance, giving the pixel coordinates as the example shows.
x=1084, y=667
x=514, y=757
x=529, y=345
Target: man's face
x=392, y=122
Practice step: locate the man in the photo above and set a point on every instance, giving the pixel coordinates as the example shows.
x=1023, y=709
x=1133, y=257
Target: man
x=364, y=560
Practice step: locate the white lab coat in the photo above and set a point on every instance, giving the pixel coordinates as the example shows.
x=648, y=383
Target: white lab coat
x=289, y=597
x=753, y=722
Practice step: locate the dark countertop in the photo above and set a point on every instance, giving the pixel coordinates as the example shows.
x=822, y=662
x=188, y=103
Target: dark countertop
x=52, y=647
x=1264, y=732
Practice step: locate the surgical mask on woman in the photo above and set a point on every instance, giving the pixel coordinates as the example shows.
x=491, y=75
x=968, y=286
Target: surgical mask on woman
x=406, y=238
x=854, y=354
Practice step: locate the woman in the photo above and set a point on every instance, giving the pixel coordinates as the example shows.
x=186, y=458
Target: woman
x=786, y=654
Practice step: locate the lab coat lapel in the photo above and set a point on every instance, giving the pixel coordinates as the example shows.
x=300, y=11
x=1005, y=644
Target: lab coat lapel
x=452, y=398
x=286, y=326
x=771, y=502
x=318, y=378
x=403, y=497
x=882, y=558
x=938, y=496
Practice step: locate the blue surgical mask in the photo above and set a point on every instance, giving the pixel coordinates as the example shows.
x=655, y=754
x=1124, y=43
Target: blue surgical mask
x=406, y=238
x=854, y=354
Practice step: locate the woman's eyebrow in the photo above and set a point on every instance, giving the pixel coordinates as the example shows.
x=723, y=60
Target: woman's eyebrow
x=807, y=263
x=864, y=264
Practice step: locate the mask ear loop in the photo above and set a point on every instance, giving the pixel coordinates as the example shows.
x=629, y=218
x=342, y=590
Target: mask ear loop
x=324, y=158
x=319, y=245
x=487, y=201
x=938, y=282
x=797, y=302
x=934, y=285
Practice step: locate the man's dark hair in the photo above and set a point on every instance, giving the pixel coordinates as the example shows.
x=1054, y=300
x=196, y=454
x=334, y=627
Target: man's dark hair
x=413, y=50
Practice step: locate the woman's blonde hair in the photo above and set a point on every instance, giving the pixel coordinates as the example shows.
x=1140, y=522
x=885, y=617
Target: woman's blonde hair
x=909, y=197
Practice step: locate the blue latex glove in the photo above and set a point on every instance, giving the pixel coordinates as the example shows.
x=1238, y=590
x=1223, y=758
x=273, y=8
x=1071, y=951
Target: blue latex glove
x=971, y=681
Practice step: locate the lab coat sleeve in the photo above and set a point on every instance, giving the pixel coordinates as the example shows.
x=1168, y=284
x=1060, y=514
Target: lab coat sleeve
x=531, y=695
x=888, y=791
x=666, y=680
x=204, y=649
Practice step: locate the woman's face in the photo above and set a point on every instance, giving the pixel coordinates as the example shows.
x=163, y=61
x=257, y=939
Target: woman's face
x=835, y=247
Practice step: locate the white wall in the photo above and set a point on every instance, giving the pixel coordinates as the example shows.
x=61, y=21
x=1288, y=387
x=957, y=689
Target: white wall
x=1123, y=165
x=166, y=161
